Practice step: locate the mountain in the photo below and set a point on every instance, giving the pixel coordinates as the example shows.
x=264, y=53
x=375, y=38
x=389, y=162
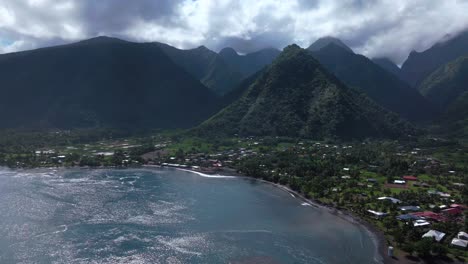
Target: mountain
x=241, y=88
x=297, y=97
x=447, y=87
x=446, y=84
x=419, y=65
x=250, y=63
x=100, y=82
x=325, y=41
x=359, y=72
x=205, y=65
x=389, y=66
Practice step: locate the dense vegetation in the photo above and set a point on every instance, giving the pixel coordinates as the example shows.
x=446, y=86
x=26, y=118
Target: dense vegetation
x=386, y=89
x=101, y=82
x=447, y=88
x=446, y=84
x=295, y=96
x=352, y=176
x=269, y=130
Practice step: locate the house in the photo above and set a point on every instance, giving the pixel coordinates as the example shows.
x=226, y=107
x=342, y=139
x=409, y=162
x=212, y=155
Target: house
x=462, y=235
x=422, y=184
x=459, y=243
x=410, y=178
x=459, y=206
x=452, y=211
x=393, y=200
x=420, y=222
x=431, y=215
x=461, y=240
x=438, y=236
x=377, y=214
x=408, y=217
x=444, y=195
x=371, y=180
x=410, y=208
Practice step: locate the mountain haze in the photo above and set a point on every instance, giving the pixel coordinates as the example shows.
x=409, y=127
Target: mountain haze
x=100, y=82
x=389, y=66
x=205, y=65
x=250, y=63
x=419, y=65
x=297, y=97
x=325, y=41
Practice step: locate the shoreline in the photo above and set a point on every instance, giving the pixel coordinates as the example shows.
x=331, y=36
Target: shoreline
x=376, y=235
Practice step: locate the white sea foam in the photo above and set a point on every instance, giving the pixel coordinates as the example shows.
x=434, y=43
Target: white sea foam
x=185, y=244
x=209, y=175
x=247, y=231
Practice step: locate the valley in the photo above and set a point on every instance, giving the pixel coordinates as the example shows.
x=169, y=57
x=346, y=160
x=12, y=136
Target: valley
x=359, y=136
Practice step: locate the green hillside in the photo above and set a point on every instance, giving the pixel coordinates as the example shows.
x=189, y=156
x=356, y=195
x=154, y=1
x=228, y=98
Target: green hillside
x=297, y=97
x=102, y=82
x=386, y=89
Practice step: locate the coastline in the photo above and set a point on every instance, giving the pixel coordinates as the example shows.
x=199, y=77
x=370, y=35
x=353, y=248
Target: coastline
x=376, y=235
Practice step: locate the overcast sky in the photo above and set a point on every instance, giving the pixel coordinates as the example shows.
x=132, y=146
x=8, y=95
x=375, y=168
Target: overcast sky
x=374, y=28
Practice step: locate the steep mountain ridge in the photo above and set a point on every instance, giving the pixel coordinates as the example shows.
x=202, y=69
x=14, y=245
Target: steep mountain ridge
x=297, y=97
x=358, y=72
x=389, y=66
x=419, y=65
x=100, y=82
x=325, y=41
x=249, y=63
x=205, y=65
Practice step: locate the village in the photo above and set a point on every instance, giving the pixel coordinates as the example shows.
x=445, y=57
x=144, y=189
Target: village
x=414, y=197
x=414, y=193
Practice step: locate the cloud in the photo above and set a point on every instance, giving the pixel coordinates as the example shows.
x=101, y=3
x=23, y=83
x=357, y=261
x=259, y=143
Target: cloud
x=390, y=28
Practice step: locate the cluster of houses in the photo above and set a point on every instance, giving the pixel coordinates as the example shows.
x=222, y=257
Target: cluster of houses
x=418, y=218
x=460, y=240
x=210, y=163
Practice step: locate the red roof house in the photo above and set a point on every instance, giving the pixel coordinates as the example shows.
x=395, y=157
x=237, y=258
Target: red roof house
x=459, y=206
x=410, y=178
x=452, y=211
x=431, y=215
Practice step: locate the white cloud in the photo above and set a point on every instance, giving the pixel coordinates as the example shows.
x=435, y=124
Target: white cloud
x=375, y=28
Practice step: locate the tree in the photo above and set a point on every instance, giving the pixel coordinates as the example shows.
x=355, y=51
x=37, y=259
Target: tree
x=409, y=248
x=424, y=246
x=390, y=223
x=399, y=236
x=439, y=249
x=180, y=155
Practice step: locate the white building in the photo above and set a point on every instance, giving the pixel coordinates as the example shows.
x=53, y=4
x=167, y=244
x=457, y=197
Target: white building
x=438, y=236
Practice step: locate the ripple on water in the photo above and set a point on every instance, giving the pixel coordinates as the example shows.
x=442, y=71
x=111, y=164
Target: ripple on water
x=163, y=216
